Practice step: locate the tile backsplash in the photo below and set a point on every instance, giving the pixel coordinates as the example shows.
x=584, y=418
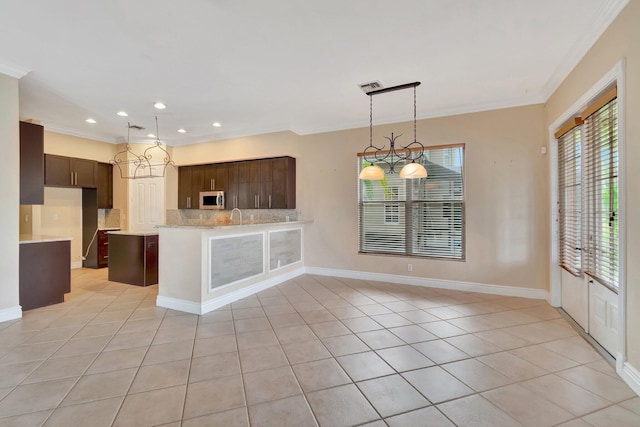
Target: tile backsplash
x=222, y=217
x=109, y=218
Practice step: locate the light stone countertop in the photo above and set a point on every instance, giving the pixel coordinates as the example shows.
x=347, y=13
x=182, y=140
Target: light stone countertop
x=39, y=238
x=136, y=233
x=227, y=226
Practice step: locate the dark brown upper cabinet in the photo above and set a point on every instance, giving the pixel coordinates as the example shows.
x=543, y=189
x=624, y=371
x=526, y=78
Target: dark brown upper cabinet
x=210, y=178
x=105, y=185
x=31, y=164
x=283, y=183
x=184, y=187
x=190, y=184
x=63, y=171
x=248, y=184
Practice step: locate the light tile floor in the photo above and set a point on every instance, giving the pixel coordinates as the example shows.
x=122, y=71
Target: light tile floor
x=314, y=350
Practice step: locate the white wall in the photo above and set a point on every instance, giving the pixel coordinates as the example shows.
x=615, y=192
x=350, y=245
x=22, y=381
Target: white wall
x=9, y=197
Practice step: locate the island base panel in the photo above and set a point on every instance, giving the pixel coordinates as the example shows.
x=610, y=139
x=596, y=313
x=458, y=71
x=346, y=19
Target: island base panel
x=133, y=259
x=45, y=273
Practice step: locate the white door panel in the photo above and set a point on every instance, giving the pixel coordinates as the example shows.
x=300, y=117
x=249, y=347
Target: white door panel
x=575, y=298
x=146, y=204
x=603, y=316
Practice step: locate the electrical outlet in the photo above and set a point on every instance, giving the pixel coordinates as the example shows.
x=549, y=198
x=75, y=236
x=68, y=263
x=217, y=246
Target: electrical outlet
x=409, y=267
x=55, y=217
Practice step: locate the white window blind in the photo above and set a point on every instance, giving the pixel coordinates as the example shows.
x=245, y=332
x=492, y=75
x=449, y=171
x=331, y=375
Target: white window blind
x=430, y=211
x=392, y=210
x=600, y=200
x=588, y=192
x=570, y=198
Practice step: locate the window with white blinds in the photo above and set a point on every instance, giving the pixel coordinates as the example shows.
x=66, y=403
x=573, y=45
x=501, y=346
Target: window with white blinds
x=429, y=211
x=600, y=133
x=588, y=192
x=570, y=199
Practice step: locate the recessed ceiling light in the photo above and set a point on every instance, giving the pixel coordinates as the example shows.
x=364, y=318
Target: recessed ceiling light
x=160, y=105
x=92, y=121
x=182, y=130
x=122, y=113
x=217, y=125
x=151, y=135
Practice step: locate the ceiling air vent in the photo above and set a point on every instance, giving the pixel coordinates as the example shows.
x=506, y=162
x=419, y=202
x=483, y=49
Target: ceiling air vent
x=136, y=127
x=368, y=87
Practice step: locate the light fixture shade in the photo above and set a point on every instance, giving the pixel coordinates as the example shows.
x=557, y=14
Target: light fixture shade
x=372, y=173
x=412, y=171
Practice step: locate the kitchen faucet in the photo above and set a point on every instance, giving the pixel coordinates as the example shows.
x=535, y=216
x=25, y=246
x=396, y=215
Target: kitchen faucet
x=239, y=212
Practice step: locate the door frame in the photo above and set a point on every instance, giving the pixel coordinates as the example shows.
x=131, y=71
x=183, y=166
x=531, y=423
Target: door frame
x=614, y=75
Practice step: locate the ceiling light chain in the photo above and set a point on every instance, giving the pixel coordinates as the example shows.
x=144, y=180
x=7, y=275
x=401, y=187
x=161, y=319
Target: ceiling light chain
x=135, y=166
x=392, y=157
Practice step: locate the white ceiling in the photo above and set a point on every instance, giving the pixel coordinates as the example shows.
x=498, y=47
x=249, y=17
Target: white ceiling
x=261, y=66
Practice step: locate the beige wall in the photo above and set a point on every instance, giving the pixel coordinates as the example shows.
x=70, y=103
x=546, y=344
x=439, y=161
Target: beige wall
x=252, y=147
x=9, y=194
x=621, y=40
x=506, y=220
x=61, y=215
x=26, y=219
x=73, y=146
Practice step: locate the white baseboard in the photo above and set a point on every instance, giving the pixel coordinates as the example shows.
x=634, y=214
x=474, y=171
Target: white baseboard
x=178, y=304
x=250, y=290
x=511, y=291
x=206, y=307
x=10, y=313
x=631, y=376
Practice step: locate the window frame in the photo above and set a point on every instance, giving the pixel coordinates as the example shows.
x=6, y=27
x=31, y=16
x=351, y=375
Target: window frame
x=407, y=230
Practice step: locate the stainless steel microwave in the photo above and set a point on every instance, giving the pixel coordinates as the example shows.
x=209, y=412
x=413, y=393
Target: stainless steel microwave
x=212, y=200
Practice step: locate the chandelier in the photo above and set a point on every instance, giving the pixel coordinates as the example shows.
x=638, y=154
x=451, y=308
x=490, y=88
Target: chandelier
x=407, y=154
x=152, y=163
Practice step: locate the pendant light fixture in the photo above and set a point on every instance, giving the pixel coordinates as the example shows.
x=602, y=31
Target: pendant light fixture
x=152, y=163
x=407, y=154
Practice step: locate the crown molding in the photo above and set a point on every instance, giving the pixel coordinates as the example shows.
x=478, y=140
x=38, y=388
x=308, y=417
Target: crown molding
x=13, y=71
x=605, y=16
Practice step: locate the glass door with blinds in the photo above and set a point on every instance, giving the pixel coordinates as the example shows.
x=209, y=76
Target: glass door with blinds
x=588, y=219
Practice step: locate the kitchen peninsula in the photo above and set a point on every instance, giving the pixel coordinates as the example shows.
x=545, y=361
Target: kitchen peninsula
x=202, y=268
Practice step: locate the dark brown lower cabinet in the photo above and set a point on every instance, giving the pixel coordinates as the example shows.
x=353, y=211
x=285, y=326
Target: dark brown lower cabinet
x=45, y=273
x=133, y=258
x=103, y=248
